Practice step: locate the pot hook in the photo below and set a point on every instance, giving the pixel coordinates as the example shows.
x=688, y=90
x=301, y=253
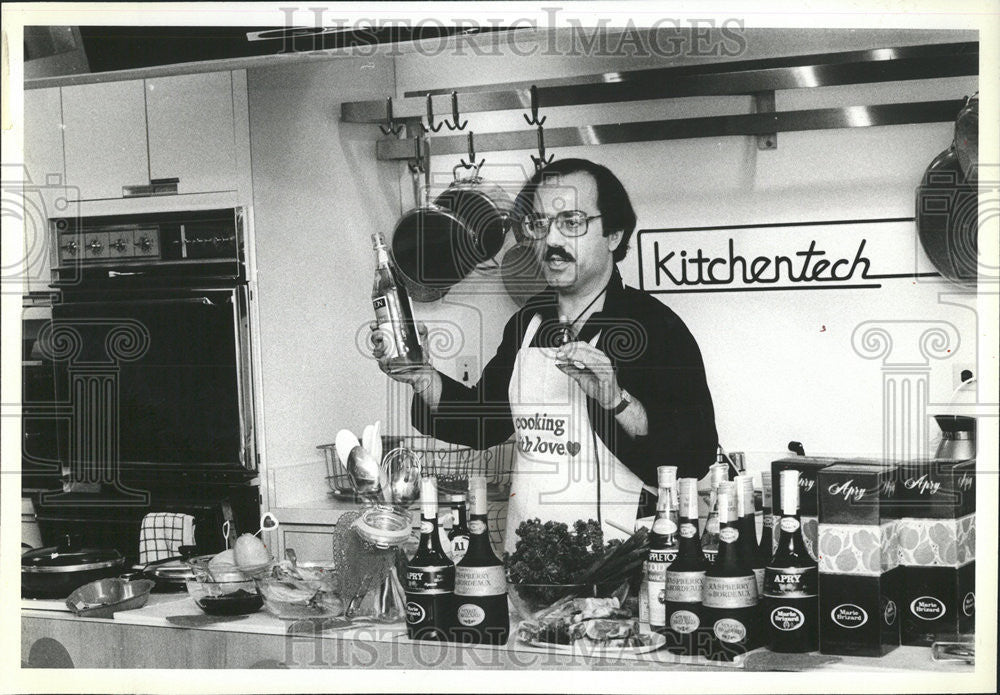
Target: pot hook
x=471, y=164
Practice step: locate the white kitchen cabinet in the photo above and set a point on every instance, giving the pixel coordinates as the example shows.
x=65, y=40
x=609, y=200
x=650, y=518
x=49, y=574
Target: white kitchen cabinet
x=105, y=138
x=43, y=192
x=139, y=132
x=190, y=126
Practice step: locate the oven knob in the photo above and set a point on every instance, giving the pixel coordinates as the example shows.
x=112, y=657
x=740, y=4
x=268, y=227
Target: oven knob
x=95, y=246
x=118, y=245
x=71, y=247
x=144, y=243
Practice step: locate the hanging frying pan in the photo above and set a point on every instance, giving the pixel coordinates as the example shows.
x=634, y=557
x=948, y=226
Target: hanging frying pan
x=947, y=203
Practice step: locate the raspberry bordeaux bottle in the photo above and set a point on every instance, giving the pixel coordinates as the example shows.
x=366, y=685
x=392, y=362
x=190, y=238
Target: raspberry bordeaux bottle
x=430, y=575
x=684, y=579
x=791, y=603
x=480, y=582
x=729, y=593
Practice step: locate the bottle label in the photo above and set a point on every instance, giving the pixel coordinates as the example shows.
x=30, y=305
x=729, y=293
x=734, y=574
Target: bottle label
x=789, y=524
x=426, y=527
x=662, y=555
x=470, y=614
x=684, y=587
x=769, y=521
x=787, y=618
x=758, y=575
x=730, y=630
x=729, y=592
x=430, y=580
x=688, y=530
x=791, y=582
x=415, y=613
x=657, y=607
x=480, y=581
x=664, y=527
x=684, y=622
x=383, y=316
x=459, y=544
x=477, y=527
x=729, y=535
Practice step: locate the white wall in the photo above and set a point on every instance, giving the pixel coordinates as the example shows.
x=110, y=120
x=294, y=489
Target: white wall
x=319, y=194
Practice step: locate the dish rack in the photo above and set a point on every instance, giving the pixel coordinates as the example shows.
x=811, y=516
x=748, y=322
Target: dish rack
x=451, y=463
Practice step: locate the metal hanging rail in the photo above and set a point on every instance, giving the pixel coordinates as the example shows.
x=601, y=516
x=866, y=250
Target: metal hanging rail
x=681, y=128
x=714, y=79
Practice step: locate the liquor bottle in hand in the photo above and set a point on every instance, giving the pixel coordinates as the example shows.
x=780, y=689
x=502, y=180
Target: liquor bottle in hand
x=430, y=575
x=662, y=546
x=458, y=535
x=684, y=579
x=481, y=615
x=393, y=312
x=729, y=592
x=791, y=607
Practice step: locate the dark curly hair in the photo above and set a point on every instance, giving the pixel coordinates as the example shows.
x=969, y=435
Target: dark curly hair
x=613, y=202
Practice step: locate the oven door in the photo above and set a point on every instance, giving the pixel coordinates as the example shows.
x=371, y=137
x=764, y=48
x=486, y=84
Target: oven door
x=157, y=382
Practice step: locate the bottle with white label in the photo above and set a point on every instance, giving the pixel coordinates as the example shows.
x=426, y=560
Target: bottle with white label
x=729, y=593
x=662, y=546
x=393, y=312
x=481, y=615
x=719, y=473
x=747, y=512
x=791, y=603
x=684, y=579
x=430, y=576
x=458, y=534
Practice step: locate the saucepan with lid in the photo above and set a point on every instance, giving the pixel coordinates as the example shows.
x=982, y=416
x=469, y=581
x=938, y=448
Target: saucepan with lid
x=54, y=572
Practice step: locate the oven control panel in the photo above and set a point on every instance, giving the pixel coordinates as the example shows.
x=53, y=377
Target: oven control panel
x=109, y=245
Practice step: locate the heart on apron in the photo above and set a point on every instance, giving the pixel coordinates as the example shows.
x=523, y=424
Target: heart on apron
x=573, y=448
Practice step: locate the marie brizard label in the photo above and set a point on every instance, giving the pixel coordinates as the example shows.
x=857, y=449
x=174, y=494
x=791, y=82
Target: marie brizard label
x=729, y=592
x=415, y=613
x=430, y=580
x=480, y=581
x=787, y=618
x=684, y=587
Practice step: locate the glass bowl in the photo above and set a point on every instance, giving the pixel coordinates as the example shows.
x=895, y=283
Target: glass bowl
x=307, y=590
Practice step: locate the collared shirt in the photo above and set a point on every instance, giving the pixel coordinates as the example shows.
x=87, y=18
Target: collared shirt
x=655, y=357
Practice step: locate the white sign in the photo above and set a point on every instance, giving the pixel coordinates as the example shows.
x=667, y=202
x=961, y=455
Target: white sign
x=858, y=254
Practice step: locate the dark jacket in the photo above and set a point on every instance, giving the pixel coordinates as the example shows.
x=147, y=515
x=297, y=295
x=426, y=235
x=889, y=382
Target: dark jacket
x=656, y=360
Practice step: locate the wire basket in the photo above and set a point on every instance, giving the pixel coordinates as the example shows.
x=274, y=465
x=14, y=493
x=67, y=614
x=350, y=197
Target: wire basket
x=452, y=464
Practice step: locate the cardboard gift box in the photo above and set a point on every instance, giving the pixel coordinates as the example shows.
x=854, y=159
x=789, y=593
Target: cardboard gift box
x=936, y=545
x=860, y=580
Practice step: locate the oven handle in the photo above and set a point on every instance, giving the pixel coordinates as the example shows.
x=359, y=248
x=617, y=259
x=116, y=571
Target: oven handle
x=176, y=300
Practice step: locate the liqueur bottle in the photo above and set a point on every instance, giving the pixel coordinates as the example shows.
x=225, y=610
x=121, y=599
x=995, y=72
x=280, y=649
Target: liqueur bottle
x=481, y=615
x=458, y=535
x=393, y=311
x=748, y=529
x=791, y=607
x=662, y=546
x=710, y=535
x=684, y=579
x=430, y=575
x=729, y=592
x=766, y=535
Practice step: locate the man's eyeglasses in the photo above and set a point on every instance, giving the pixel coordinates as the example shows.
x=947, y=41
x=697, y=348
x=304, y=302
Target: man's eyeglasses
x=570, y=223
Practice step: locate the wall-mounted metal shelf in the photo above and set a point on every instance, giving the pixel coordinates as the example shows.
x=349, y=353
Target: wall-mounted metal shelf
x=752, y=77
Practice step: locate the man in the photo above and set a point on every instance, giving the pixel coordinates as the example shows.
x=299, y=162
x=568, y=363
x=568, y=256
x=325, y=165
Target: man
x=600, y=383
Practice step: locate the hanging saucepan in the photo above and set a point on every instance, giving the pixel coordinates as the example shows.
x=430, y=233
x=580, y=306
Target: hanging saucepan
x=437, y=244
x=54, y=572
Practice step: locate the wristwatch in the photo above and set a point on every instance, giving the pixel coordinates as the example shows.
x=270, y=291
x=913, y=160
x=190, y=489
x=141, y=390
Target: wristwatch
x=625, y=402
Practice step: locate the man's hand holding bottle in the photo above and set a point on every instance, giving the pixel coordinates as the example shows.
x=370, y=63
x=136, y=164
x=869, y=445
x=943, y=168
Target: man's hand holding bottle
x=424, y=379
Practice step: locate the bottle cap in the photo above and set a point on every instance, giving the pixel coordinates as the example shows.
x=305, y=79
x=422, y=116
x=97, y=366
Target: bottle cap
x=789, y=491
x=477, y=495
x=666, y=476
x=429, y=496
x=726, y=504
x=688, y=497
x=455, y=497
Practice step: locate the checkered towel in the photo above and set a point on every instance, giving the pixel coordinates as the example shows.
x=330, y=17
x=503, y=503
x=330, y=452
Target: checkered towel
x=162, y=534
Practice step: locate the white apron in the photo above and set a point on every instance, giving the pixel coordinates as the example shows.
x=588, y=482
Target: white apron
x=561, y=466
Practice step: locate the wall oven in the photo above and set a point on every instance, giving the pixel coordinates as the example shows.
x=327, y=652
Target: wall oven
x=149, y=343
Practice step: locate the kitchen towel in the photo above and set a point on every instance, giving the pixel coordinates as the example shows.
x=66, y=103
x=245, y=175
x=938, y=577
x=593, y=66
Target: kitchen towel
x=162, y=534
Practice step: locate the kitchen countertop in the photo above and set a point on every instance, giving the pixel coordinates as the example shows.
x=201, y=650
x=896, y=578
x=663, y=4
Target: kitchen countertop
x=144, y=639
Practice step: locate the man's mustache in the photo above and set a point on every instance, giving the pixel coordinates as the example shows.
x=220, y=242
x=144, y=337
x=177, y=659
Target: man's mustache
x=552, y=252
